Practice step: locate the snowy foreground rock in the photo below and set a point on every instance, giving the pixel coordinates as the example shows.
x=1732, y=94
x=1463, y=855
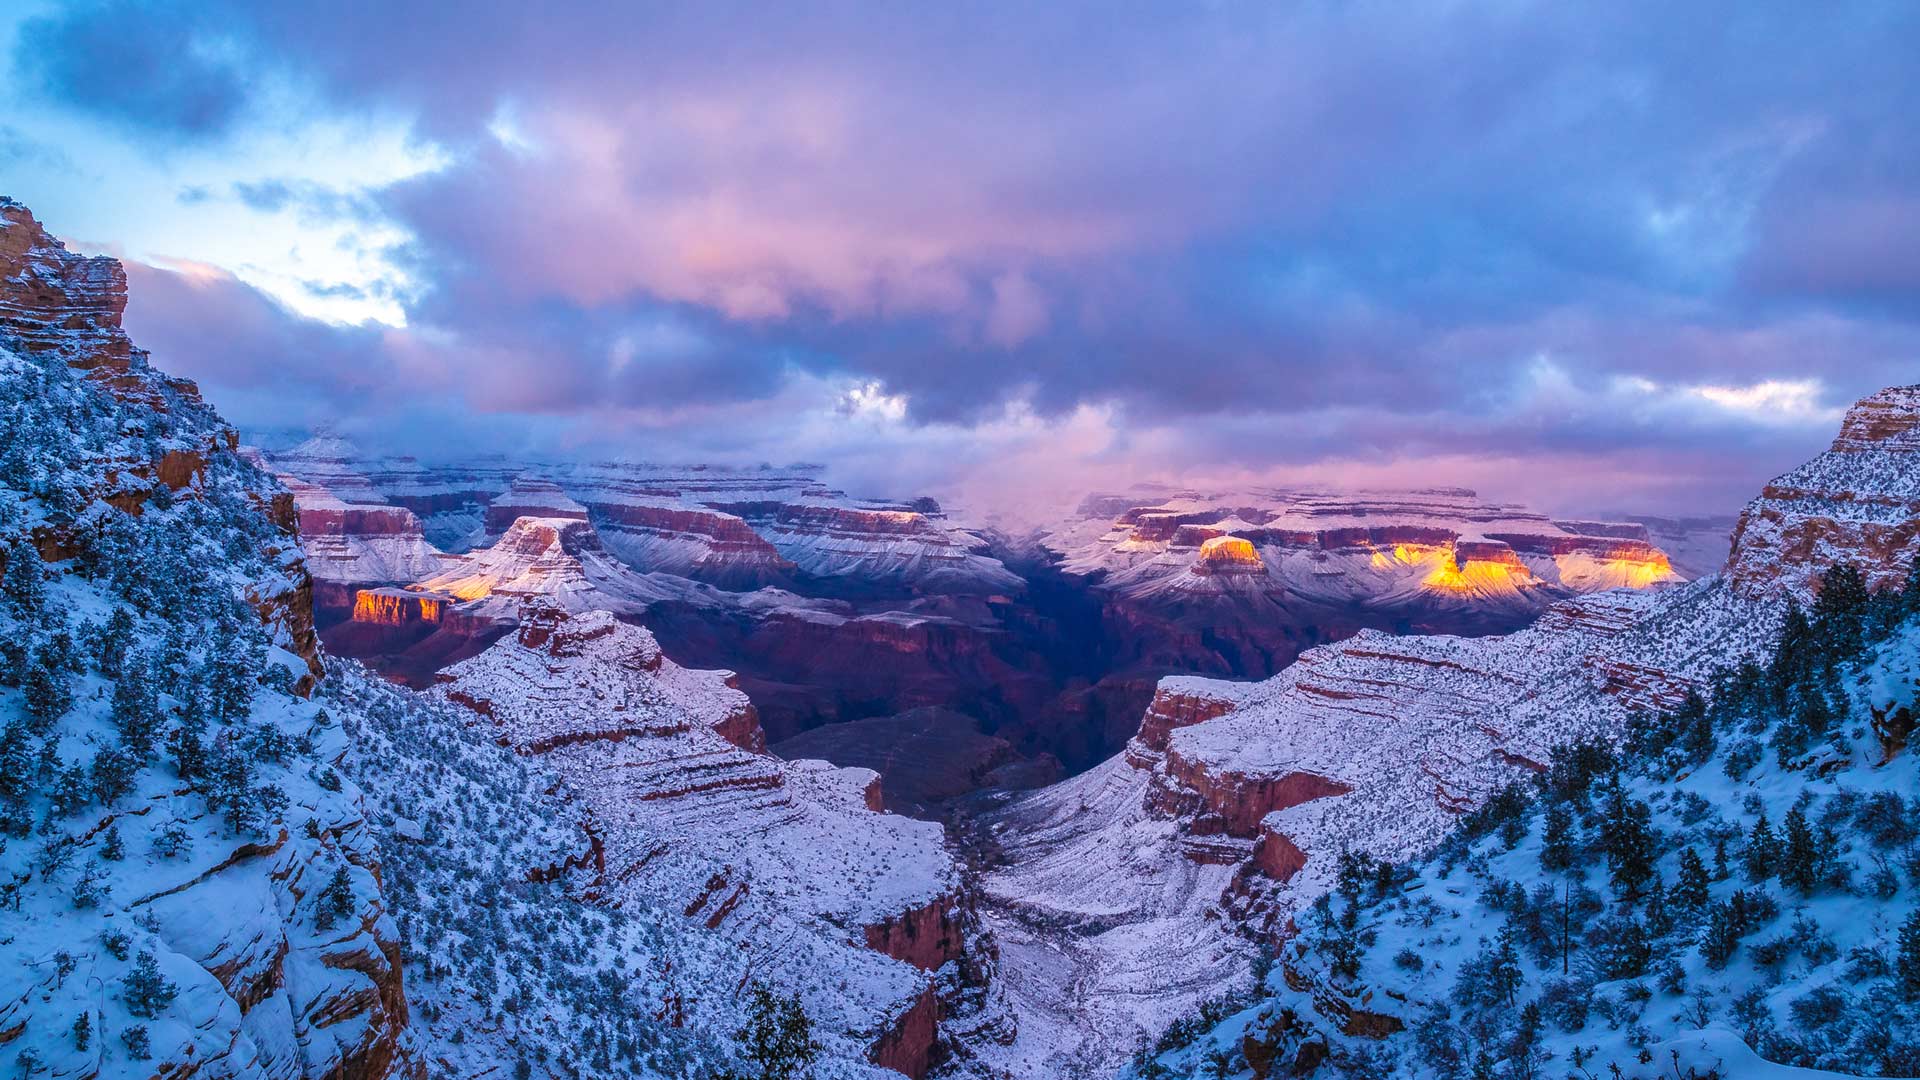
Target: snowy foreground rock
x=1224, y=817
x=186, y=885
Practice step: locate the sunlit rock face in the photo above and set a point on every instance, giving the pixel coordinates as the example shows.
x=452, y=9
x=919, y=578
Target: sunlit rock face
x=786, y=860
x=399, y=607
x=1240, y=582
x=1856, y=501
x=1226, y=813
x=1227, y=555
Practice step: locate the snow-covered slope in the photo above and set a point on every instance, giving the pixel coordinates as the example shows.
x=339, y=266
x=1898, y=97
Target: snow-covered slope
x=1732, y=892
x=189, y=887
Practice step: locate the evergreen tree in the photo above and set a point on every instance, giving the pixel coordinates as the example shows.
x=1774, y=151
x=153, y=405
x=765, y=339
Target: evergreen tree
x=1839, y=613
x=146, y=992
x=1626, y=835
x=1556, y=848
x=136, y=706
x=48, y=690
x=24, y=587
x=110, y=649
x=1721, y=936
x=1505, y=975
x=336, y=900
x=777, y=1040
x=83, y=1032
x=1690, y=886
x=1799, y=858
x=19, y=765
x=1762, y=853
x=187, y=741
x=1906, y=966
x=112, y=774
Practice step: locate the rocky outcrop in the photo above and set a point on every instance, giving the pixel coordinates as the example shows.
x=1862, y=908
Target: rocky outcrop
x=907, y=1045
x=928, y=936
x=1227, y=555
x=1859, y=501
x=777, y=857
x=399, y=607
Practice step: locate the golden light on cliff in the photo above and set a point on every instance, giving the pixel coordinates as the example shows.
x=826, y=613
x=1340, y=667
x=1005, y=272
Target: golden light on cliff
x=1639, y=570
x=397, y=607
x=1645, y=573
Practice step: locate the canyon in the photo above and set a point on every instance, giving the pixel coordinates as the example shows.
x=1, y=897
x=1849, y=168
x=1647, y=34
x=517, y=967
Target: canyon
x=834, y=609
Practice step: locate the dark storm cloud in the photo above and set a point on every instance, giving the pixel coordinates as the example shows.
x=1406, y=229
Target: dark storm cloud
x=1336, y=228
x=153, y=67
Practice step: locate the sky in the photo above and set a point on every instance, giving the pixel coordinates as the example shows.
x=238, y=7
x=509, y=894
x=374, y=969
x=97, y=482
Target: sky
x=1625, y=256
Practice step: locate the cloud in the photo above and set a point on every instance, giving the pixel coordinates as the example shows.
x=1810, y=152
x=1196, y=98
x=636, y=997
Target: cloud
x=1249, y=239
x=153, y=68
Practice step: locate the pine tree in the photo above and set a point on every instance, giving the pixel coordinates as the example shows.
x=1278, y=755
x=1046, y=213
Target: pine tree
x=110, y=651
x=49, y=692
x=112, y=774
x=1906, y=966
x=146, y=992
x=19, y=765
x=1556, y=848
x=1800, y=858
x=1720, y=937
x=1690, y=886
x=1505, y=975
x=24, y=586
x=1839, y=612
x=1627, y=836
x=777, y=1040
x=1762, y=853
x=83, y=1032
x=336, y=900
x=136, y=706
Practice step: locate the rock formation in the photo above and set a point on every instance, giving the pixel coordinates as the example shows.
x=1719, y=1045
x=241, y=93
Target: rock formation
x=787, y=860
x=1860, y=500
